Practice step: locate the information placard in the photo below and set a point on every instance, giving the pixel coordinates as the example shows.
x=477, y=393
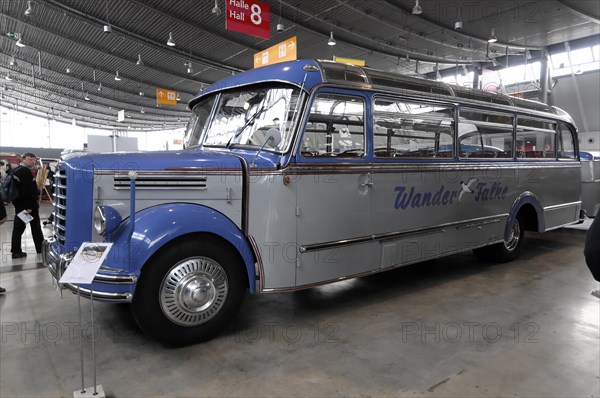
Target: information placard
x=86, y=262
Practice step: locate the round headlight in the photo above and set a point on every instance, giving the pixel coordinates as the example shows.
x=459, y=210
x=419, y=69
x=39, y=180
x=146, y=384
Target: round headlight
x=99, y=220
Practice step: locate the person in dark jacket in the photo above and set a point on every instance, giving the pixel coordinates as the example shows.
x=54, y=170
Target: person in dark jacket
x=591, y=250
x=28, y=201
x=2, y=221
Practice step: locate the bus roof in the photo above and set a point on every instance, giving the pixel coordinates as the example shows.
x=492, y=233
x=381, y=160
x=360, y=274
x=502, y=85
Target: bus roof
x=310, y=73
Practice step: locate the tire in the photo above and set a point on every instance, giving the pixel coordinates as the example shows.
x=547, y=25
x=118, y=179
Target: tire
x=506, y=251
x=189, y=291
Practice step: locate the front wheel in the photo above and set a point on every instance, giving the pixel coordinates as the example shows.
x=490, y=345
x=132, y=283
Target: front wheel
x=189, y=291
x=506, y=251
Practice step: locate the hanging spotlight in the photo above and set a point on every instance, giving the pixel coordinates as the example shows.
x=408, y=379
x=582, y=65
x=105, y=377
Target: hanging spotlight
x=331, y=40
x=216, y=10
x=8, y=77
x=87, y=98
x=117, y=77
x=107, y=28
x=417, y=8
x=68, y=70
x=100, y=87
x=417, y=67
x=139, y=60
x=280, y=27
x=171, y=42
x=458, y=25
x=20, y=43
x=13, y=61
x=142, y=110
x=29, y=11
x=493, y=37
x=578, y=71
x=141, y=93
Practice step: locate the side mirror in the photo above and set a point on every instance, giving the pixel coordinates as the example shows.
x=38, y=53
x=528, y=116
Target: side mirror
x=273, y=137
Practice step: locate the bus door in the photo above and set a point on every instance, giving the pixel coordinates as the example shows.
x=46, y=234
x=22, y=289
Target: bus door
x=412, y=143
x=333, y=191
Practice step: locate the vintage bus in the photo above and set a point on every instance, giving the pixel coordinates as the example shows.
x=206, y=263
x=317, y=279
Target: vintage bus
x=310, y=172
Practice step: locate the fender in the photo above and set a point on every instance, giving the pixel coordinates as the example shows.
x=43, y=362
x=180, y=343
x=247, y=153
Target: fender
x=159, y=225
x=526, y=197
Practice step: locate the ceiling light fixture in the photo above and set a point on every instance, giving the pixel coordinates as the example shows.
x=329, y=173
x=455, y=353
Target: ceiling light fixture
x=139, y=60
x=417, y=8
x=29, y=11
x=13, y=61
x=578, y=71
x=68, y=70
x=107, y=27
x=142, y=110
x=280, y=26
x=331, y=41
x=216, y=10
x=171, y=42
x=100, y=87
x=20, y=43
x=117, y=77
x=417, y=67
x=87, y=97
x=493, y=37
x=8, y=77
x=458, y=25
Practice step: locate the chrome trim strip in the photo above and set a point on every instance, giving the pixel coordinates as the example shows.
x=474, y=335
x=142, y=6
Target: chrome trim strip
x=367, y=273
x=172, y=171
x=259, y=264
x=562, y=206
x=125, y=297
x=403, y=234
x=129, y=279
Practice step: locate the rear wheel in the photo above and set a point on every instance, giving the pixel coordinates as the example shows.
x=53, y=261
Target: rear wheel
x=505, y=251
x=189, y=291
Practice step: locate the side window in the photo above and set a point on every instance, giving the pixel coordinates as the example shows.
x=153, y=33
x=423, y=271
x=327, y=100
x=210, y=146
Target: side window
x=412, y=130
x=335, y=127
x=485, y=134
x=535, y=138
x=566, y=144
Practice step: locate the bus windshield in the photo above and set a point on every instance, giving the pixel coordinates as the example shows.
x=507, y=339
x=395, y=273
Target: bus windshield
x=245, y=118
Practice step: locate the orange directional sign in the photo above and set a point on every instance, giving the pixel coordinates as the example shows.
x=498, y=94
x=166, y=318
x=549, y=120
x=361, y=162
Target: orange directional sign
x=284, y=51
x=164, y=96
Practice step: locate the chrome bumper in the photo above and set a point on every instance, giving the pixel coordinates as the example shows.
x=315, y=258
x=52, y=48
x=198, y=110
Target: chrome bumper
x=57, y=263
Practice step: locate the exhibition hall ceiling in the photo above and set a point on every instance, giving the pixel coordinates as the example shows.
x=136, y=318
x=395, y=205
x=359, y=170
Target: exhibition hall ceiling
x=74, y=49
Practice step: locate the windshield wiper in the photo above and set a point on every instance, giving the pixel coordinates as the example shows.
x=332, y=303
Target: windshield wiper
x=250, y=121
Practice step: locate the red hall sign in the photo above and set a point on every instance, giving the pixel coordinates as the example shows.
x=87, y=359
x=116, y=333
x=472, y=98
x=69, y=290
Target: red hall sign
x=248, y=16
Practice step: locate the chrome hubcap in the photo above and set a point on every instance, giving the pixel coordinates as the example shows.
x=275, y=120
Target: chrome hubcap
x=193, y=291
x=513, y=239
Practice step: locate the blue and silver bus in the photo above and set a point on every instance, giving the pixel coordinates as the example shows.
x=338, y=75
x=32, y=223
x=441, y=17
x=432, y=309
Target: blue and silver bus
x=310, y=172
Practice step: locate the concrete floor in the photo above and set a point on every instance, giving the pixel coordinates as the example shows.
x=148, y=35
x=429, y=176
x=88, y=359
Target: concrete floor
x=453, y=327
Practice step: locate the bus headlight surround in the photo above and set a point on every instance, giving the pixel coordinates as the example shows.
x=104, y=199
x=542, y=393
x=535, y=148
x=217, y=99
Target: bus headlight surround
x=106, y=219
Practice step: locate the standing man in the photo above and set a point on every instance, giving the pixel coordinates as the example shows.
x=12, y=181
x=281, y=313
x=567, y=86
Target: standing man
x=2, y=221
x=28, y=201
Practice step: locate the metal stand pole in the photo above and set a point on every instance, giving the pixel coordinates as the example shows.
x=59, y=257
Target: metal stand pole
x=93, y=339
x=98, y=389
x=80, y=338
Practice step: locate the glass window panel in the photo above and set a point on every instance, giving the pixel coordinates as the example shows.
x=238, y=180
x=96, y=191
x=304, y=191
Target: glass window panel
x=484, y=134
x=566, y=144
x=335, y=127
x=412, y=130
x=535, y=138
x=582, y=56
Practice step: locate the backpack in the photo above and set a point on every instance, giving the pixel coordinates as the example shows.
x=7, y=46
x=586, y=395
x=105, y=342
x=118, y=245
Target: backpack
x=8, y=188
